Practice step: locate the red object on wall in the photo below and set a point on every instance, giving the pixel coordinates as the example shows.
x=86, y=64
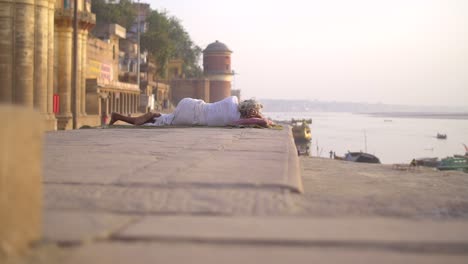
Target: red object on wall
x=56, y=103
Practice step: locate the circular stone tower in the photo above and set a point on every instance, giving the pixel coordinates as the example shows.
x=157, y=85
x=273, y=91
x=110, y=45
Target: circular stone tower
x=217, y=69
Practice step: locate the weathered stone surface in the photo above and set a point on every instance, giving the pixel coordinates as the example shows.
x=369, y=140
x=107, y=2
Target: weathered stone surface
x=76, y=226
x=120, y=253
x=214, y=156
x=146, y=199
x=305, y=231
x=20, y=178
x=342, y=189
x=150, y=195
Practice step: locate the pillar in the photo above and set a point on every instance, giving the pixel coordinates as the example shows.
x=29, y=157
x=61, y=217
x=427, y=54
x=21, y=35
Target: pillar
x=110, y=101
x=79, y=54
x=7, y=47
x=64, y=71
x=51, y=122
x=23, y=74
x=26, y=41
x=84, y=47
x=41, y=49
x=126, y=102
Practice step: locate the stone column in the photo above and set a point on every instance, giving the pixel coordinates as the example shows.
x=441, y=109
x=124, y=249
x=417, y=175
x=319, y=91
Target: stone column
x=137, y=100
x=111, y=102
x=23, y=74
x=135, y=107
x=125, y=101
x=25, y=44
x=7, y=48
x=41, y=61
x=84, y=58
x=117, y=102
x=64, y=70
x=51, y=122
x=122, y=103
x=79, y=55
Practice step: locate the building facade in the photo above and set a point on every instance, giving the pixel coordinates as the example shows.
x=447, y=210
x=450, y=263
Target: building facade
x=105, y=93
x=216, y=82
x=63, y=63
x=27, y=55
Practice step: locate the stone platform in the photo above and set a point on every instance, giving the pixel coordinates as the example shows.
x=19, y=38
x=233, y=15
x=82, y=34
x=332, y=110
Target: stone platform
x=229, y=195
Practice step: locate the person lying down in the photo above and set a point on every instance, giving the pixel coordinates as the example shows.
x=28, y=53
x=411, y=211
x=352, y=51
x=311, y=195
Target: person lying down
x=191, y=111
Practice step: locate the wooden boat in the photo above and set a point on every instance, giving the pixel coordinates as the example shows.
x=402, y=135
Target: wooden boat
x=361, y=157
x=301, y=130
x=427, y=162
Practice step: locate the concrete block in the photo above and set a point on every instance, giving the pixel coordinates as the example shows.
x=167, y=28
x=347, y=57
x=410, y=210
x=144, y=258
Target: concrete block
x=20, y=178
x=80, y=226
x=378, y=232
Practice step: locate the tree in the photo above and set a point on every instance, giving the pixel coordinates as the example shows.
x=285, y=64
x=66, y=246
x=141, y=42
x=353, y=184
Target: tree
x=167, y=39
x=121, y=13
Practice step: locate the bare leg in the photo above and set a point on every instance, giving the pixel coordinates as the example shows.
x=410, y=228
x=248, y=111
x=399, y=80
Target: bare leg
x=137, y=121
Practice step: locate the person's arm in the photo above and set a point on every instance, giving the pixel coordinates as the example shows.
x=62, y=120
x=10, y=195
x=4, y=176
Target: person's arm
x=263, y=122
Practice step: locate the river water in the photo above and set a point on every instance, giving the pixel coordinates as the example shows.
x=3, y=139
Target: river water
x=392, y=139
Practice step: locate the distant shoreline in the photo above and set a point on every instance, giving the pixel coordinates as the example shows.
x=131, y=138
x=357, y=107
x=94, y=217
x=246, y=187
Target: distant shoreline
x=454, y=116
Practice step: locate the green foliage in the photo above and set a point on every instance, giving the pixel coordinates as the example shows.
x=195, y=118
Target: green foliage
x=121, y=13
x=167, y=39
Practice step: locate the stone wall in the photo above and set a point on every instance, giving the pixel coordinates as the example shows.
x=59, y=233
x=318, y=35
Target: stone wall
x=219, y=90
x=217, y=62
x=198, y=89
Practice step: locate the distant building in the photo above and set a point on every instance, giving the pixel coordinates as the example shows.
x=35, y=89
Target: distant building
x=217, y=69
x=216, y=82
x=105, y=93
x=63, y=52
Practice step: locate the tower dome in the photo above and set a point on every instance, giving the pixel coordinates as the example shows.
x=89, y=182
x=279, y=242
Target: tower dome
x=217, y=47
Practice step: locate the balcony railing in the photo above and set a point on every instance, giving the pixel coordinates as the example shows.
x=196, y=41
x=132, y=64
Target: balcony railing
x=67, y=14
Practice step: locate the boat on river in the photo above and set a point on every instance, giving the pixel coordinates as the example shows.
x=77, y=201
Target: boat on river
x=459, y=163
x=361, y=157
x=427, y=162
x=301, y=130
x=302, y=135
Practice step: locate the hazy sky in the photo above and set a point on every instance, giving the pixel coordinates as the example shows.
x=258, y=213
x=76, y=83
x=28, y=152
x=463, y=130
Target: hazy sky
x=393, y=51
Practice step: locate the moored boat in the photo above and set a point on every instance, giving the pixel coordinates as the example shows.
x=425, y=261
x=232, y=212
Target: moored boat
x=301, y=130
x=361, y=157
x=454, y=163
x=427, y=162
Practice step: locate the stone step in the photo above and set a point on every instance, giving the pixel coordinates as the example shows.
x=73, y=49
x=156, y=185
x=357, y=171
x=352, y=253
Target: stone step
x=412, y=235
x=216, y=157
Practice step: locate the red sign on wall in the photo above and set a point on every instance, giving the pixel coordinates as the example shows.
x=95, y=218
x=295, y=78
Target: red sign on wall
x=56, y=103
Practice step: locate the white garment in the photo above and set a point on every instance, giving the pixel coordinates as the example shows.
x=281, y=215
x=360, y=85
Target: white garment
x=196, y=112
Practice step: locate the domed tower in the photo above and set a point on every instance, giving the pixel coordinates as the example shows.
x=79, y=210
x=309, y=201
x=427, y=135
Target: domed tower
x=217, y=69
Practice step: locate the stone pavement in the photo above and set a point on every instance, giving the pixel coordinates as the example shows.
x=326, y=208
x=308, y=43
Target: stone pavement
x=220, y=195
